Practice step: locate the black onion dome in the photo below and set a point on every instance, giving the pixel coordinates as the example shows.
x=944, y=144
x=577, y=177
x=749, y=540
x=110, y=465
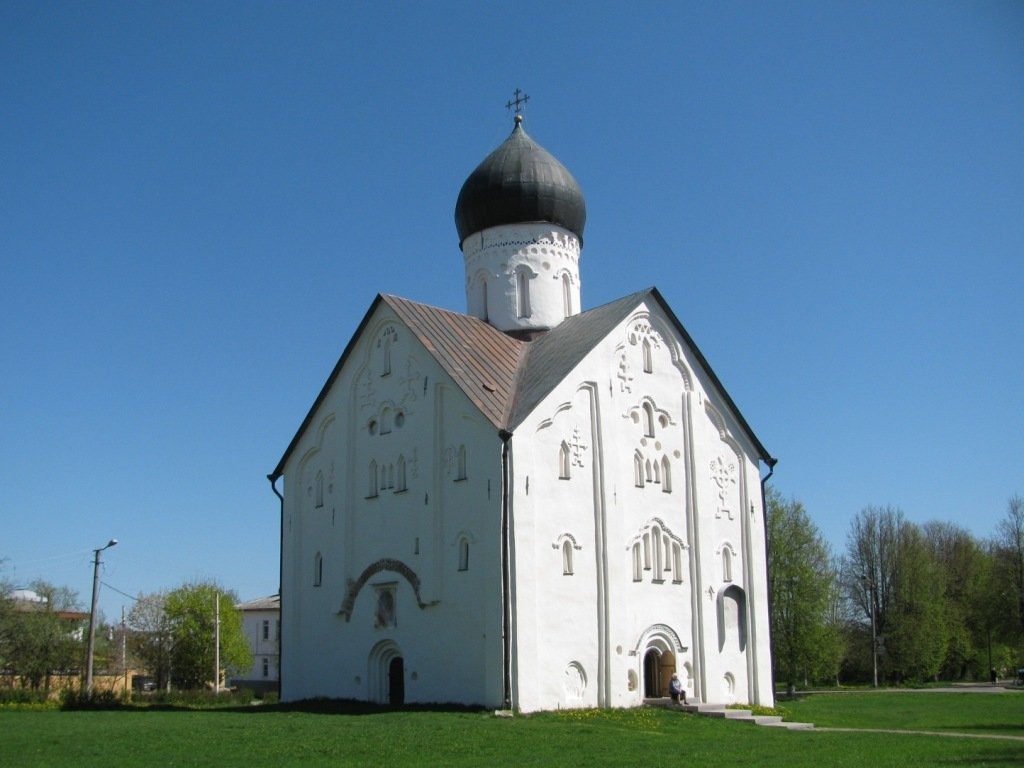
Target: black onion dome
x=519, y=182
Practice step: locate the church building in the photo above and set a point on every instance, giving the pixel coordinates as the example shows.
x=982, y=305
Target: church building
x=526, y=505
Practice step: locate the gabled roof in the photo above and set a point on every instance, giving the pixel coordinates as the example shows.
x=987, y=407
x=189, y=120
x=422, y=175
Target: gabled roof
x=504, y=377
x=481, y=359
x=269, y=603
x=551, y=357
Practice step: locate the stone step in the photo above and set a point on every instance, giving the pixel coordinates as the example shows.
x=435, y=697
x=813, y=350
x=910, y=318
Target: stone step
x=723, y=712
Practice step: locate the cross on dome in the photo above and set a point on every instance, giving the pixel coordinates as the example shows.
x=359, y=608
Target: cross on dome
x=517, y=102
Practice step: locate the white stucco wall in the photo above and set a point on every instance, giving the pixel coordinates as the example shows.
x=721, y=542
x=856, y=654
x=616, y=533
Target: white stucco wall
x=262, y=648
x=580, y=639
x=449, y=636
x=547, y=257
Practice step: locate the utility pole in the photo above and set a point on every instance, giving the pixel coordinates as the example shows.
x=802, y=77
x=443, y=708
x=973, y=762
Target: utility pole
x=92, y=615
x=216, y=644
x=124, y=653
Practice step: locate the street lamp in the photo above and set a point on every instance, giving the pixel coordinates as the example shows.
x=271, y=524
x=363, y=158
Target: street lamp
x=92, y=614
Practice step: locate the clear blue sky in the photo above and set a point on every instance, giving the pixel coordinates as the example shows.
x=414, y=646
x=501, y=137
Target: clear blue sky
x=199, y=201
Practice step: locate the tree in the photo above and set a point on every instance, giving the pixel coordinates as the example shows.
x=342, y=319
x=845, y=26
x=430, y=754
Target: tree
x=802, y=586
x=917, y=636
x=892, y=579
x=961, y=567
x=1009, y=550
x=151, y=638
x=190, y=611
x=869, y=572
x=38, y=638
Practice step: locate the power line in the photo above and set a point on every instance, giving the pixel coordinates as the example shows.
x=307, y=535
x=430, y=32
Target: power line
x=108, y=586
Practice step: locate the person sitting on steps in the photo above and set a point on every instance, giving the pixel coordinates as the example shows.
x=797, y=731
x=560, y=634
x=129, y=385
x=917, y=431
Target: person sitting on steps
x=676, y=690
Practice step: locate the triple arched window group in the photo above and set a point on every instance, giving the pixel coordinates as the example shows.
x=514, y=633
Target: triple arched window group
x=659, y=555
x=386, y=477
x=652, y=471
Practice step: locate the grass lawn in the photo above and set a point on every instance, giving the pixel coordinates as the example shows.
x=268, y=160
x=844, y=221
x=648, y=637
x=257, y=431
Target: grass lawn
x=981, y=713
x=278, y=736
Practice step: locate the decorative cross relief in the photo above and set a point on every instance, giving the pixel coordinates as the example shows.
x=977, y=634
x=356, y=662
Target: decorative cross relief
x=723, y=476
x=365, y=390
x=624, y=373
x=412, y=376
x=577, y=447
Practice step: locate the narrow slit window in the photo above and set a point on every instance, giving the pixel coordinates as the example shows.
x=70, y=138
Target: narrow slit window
x=567, y=558
x=648, y=362
x=400, y=475
x=638, y=564
x=648, y=420
x=666, y=475
x=638, y=470
x=523, y=292
x=463, y=554
x=656, y=547
x=566, y=295
x=371, y=490
x=460, y=473
x=318, y=570
x=563, y=461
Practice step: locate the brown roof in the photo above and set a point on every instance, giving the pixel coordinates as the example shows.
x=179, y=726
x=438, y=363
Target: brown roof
x=504, y=377
x=481, y=359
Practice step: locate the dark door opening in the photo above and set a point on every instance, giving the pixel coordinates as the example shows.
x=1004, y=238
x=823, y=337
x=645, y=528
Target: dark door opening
x=396, y=681
x=652, y=675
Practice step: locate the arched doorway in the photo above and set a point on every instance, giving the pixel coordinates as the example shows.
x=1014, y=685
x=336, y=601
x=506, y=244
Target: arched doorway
x=659, y=666
x=661, y=653
x=652, y=674
x=386, y=673
x=396, y=681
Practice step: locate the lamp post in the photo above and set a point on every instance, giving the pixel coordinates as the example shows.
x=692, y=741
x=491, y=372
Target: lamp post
x=92, y=614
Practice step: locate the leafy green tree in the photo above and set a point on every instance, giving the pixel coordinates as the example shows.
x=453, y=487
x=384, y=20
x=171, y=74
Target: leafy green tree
x=1009, y=554
x=37, y=639
x=190, y=611
x=961, y=567
x=802, y=586
x=917, y=635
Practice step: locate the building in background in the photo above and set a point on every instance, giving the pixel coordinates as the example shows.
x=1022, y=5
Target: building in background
x=261, y=623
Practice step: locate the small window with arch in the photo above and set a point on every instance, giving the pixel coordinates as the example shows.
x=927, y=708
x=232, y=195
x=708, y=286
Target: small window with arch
x=564, y=461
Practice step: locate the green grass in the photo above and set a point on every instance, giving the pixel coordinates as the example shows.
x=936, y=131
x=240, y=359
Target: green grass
x=321, y=736
x=980, y=713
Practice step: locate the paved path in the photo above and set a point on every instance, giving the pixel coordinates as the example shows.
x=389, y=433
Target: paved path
x=997, y=736
x=954, y=688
